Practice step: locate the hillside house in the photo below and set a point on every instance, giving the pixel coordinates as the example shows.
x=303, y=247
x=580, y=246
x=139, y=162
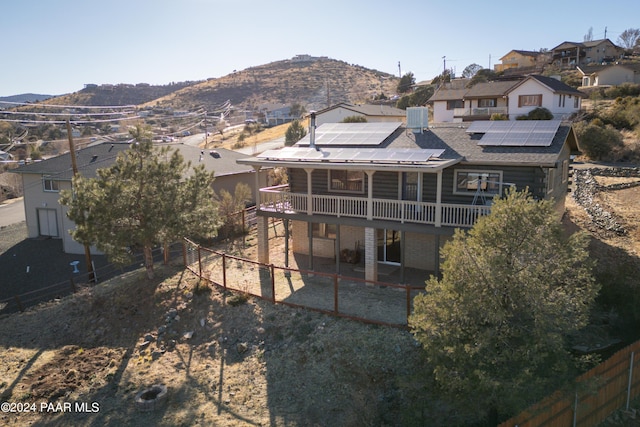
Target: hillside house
x=512, y=98
x=573, y=54
x=520, y=60
x=43, y=180
x=372, y=113
x=396, y=194
x=609, y=75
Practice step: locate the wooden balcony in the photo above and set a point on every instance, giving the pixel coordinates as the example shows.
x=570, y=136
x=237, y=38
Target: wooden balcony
x=280, y=199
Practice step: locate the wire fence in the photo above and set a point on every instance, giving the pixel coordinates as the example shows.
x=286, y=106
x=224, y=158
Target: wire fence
x=368, y=301
x=78, y=281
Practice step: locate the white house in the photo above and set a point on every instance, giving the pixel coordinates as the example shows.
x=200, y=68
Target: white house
x=372, y=113
x=609, y=75
x=547, y=92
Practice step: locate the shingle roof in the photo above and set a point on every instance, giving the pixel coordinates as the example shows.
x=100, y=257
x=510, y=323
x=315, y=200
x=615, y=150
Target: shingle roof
x=367, y=109
x=457, y=143
x=486, y=89
x=103, y=155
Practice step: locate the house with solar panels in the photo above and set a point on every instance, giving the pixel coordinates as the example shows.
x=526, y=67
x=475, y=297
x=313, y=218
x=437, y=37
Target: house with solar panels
x=396, y=191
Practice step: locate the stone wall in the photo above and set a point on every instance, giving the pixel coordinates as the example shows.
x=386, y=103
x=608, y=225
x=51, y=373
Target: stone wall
x=586, y=187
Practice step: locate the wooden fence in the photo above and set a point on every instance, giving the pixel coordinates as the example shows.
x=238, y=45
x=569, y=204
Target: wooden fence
x=610, y=386
x=368, y=301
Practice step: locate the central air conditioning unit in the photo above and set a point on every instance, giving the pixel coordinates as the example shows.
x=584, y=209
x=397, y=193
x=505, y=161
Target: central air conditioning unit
x=417, y=119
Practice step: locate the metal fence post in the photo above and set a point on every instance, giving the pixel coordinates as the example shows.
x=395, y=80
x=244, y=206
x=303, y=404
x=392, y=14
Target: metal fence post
x=335, y=293
x=408, y=288
x=199, y=263
x=630, y=378
x=224, y=271
x=273, y=283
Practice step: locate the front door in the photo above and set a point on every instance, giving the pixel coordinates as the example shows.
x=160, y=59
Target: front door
x=47, y=222
x=389, y=246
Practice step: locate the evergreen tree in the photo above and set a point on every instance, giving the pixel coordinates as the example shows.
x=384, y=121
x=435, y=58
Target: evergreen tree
x=495, y=327
x=149, y=196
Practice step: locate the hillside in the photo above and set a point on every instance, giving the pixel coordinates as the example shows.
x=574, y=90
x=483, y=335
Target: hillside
x=25, y=97
x=315, y=83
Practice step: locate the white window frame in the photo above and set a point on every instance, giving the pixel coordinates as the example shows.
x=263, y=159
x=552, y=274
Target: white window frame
x=565, y=170
x=471, y=189
x=551, y=178
x=330, y=180
x=50, y=185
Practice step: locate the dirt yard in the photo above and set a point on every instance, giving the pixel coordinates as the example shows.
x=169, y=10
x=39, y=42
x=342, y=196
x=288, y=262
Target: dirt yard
x=83, y=360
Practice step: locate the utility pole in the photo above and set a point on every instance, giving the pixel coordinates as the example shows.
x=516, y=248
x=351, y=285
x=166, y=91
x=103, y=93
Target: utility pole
x=605, y=32
x=444, y=64
x=399, y=70
x=74, y=167
x=205, y=129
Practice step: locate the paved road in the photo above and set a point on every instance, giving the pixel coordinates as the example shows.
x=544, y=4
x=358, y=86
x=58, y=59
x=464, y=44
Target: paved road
x=11, y=212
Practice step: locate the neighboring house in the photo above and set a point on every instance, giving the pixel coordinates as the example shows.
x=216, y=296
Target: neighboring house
x=547, y=92
x=373, y=113
x=276, y=114
x=521, y=59
x=609, y=75
x=484, y=99
x=510, y=97
x=447, y=98
x=399, y=195
x=573, y=54
x=43, y=180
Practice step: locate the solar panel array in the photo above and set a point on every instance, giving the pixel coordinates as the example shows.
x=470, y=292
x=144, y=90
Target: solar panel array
x=351, y=134
x=516, y=133
x=352, y=155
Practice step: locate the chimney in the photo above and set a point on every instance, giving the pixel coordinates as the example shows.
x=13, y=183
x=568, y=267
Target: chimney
x=312, y=131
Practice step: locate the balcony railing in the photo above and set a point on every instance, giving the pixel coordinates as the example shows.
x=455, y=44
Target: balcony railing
x=478, y=111
x=279, y=199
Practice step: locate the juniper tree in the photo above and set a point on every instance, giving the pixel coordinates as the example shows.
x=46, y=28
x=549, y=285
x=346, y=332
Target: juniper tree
x=495, y=327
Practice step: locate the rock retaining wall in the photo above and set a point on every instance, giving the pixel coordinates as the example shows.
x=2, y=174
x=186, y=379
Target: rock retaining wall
x=586, y=187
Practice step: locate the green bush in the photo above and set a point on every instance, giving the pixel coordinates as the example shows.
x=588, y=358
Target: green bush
x=598, y=142
x=499, y=116
x=539, y=113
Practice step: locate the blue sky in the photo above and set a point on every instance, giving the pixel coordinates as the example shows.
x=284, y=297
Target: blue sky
x=56, y=46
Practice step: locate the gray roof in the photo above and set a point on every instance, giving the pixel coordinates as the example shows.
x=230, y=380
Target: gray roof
x=593, y=69
x=368, y=109
x=555, y=85
x=489, y=89
x=104, y=154
x=456, y=144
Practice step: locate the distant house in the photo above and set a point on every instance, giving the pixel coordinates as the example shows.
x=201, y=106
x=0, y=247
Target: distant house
x=42, y=182
x=509, y=97
x=398, y=195
x=573, y=54
x=609, y=75
x=521, y=59
x=372, y=113
x=276, y=114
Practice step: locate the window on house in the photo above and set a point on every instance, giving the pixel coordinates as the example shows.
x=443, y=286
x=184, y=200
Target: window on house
x=565, y=170
x=487, y=103
x=530, y=101
x=327, y=231
x=576, y=102
x=551, y=178
x=470, y=182
x=456, y=103
x=50, y=185
x=346, y=181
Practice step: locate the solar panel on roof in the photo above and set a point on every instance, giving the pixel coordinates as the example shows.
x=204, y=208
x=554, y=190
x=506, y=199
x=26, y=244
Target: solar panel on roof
x=530, y=133
x=351, y=134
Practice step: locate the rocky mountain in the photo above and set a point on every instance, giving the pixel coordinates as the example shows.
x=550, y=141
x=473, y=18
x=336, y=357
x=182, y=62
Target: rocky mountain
x=314, y=82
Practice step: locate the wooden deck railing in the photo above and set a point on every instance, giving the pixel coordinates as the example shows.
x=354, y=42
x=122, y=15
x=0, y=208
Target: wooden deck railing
x=279, y=199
